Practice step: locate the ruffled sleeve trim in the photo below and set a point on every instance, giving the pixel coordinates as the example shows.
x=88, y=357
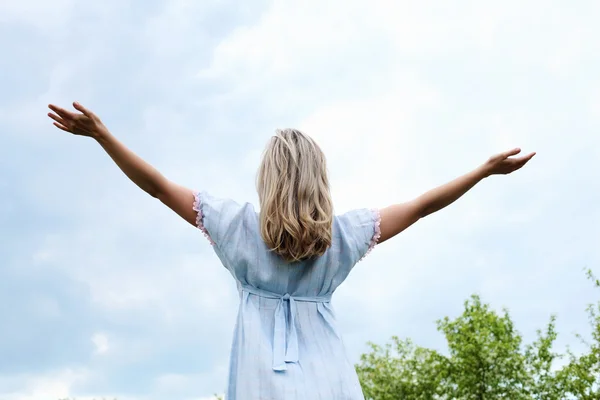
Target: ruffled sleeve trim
x=376, y=231
x=200, y=217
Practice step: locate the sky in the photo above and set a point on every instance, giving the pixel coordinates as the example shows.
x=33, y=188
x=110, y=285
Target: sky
x=106, y=292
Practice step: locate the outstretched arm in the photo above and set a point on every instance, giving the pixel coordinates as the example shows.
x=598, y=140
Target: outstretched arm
x=398, y=217
x=146, y=177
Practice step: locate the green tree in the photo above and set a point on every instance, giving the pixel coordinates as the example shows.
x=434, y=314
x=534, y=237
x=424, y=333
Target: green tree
x=542, y=380
x=401, y=370
x=581, y=376
x=486, y=360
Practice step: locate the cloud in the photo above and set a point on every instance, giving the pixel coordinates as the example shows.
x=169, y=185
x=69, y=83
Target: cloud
x=101, y=342
x=109, y=293
x=55, y=385
x=37, y=14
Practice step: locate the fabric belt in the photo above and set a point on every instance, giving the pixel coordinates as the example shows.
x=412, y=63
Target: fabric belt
x=285, y=347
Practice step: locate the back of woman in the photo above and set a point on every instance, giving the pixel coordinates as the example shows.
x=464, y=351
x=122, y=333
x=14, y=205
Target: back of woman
x=287, y=259
x=287, y=262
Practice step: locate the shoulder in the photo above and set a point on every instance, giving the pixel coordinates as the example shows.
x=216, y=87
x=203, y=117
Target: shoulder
x=358, y=218
x=358, y=231
x=221, y=206
x=221, y=217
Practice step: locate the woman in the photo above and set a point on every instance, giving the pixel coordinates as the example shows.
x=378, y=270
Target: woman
x=288, y=259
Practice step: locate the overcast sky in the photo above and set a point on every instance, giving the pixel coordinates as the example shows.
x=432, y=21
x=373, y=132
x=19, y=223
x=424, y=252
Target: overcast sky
x=106, y=292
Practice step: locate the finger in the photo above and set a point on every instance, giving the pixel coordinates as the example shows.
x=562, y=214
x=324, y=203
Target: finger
x=523, y=160
x=520, y=162
x=83, y=110
x=57, y=119
x=61, y=111
x=511, y=153
x=64, y=128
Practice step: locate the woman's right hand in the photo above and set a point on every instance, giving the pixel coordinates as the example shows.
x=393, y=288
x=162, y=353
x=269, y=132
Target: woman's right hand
x=85, y=123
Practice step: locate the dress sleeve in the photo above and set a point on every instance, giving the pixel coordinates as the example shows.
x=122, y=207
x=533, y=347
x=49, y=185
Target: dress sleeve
x=362, y=230
x=216, y=218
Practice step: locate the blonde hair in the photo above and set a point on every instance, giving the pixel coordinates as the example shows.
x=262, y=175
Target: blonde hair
x=296, y=211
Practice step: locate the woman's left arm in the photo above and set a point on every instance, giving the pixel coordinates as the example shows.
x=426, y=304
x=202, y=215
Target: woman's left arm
x=398, y=217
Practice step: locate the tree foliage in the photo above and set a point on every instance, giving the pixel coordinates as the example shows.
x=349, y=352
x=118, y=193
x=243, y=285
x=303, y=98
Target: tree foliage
x=485, y=360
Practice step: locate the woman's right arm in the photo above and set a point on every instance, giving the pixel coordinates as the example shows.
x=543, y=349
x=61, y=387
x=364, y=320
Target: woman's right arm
x=146, y=177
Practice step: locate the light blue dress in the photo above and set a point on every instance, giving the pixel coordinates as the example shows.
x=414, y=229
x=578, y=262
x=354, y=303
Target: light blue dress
x=286, y=343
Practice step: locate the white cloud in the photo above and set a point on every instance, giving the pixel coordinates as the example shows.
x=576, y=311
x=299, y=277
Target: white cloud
x=594, y=103
x=39, y=14
x=401, y=96
x=374, y=146
x=100, y=341
x=175, y=28
x=55, y=385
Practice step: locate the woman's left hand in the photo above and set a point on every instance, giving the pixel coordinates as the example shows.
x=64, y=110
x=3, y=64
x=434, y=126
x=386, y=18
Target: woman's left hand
x=506, y=163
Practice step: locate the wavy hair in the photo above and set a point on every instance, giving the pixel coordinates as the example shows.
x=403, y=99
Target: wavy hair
x=296, y=211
